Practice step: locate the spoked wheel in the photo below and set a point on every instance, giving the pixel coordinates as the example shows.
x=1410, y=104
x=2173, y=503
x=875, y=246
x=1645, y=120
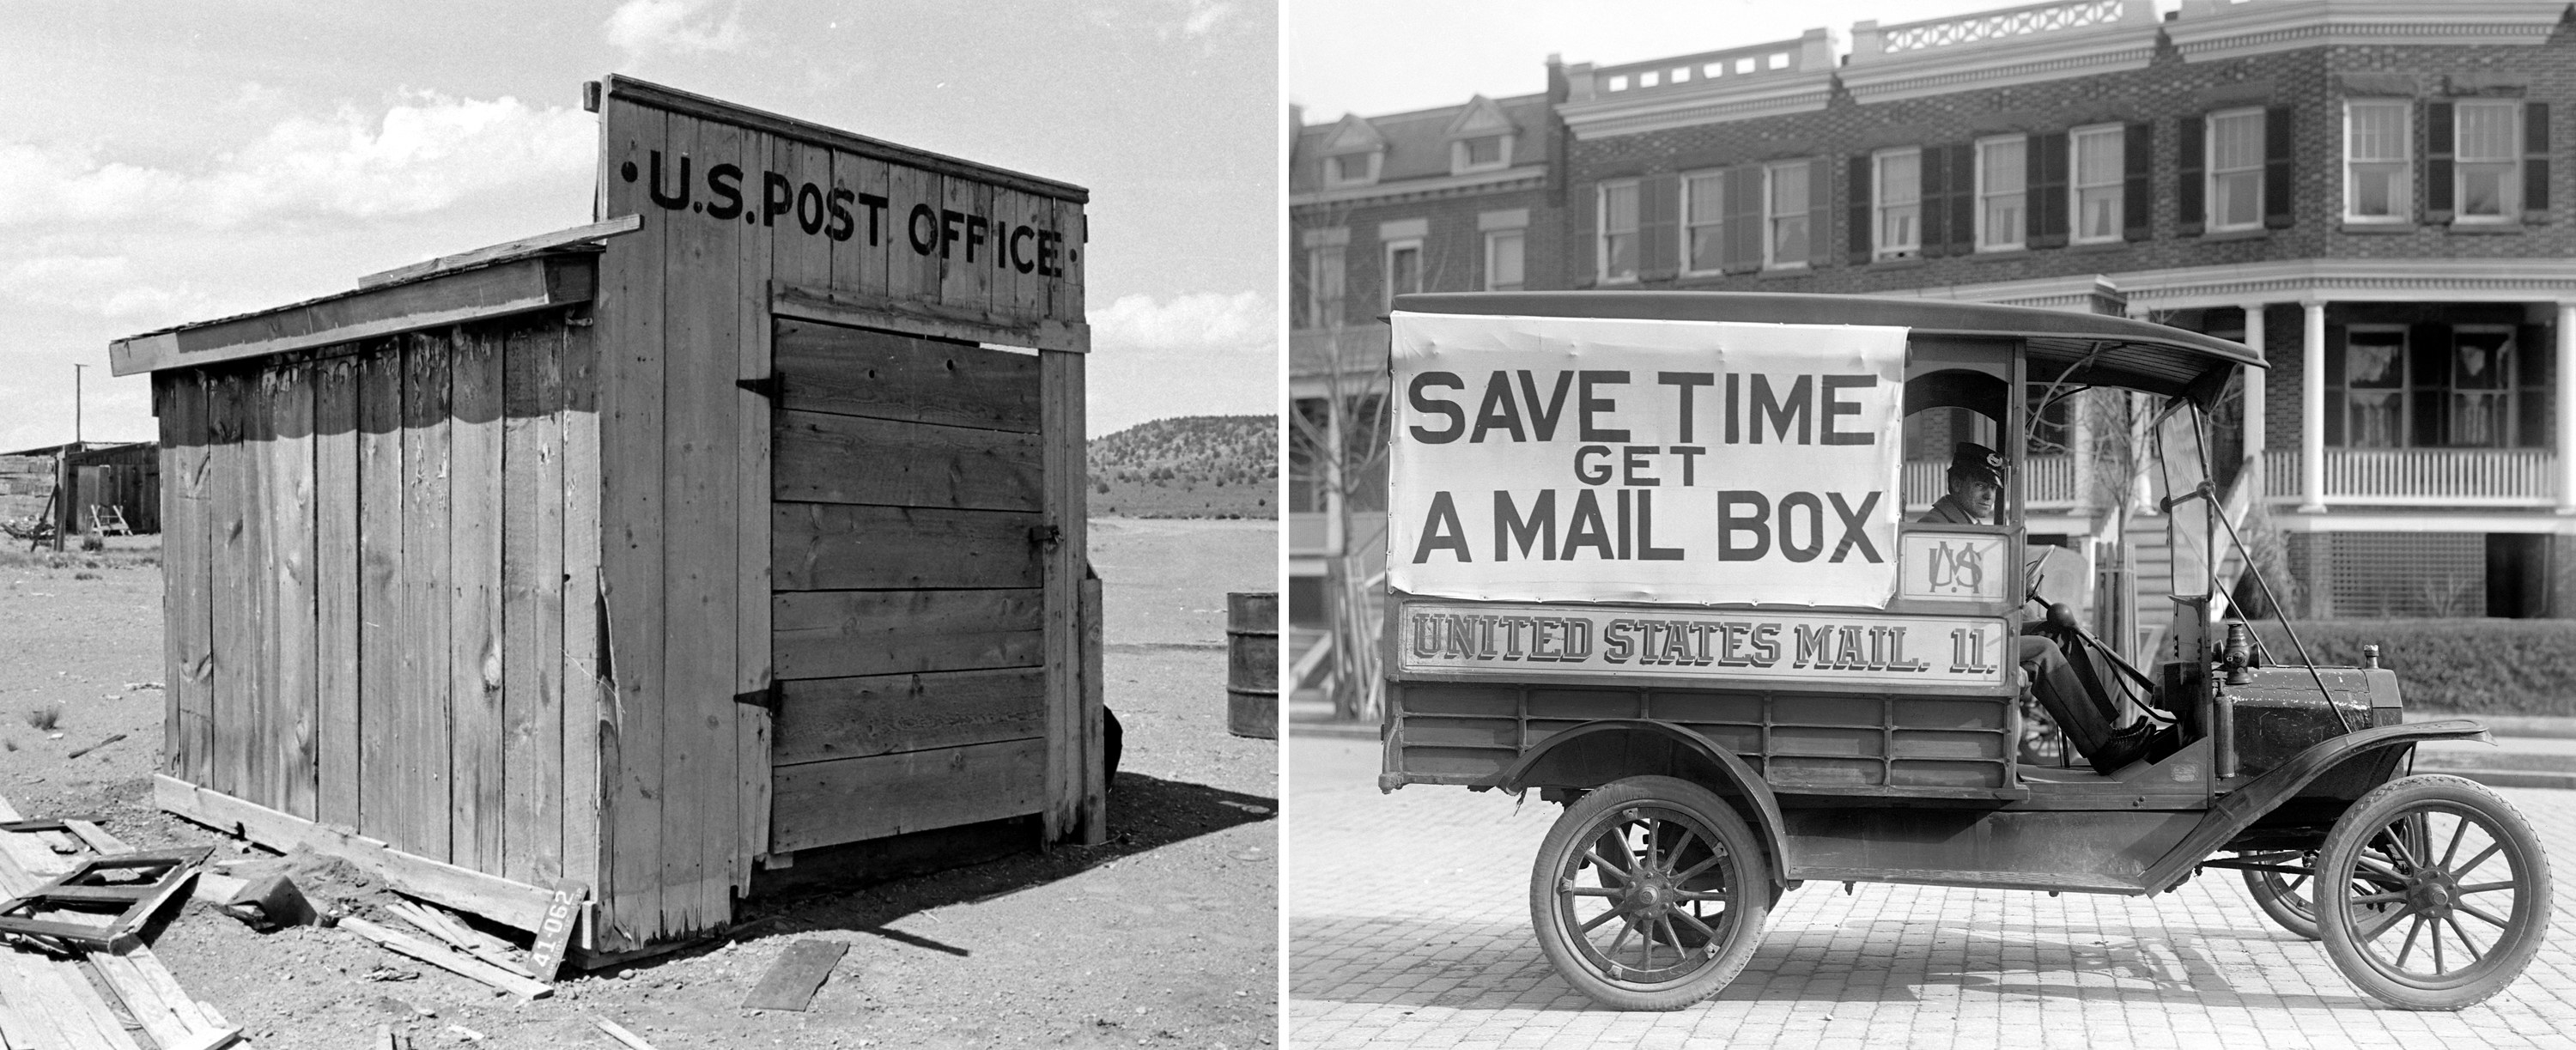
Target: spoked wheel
x=2433, y=893
x=1649, y=894
x=2283, y=896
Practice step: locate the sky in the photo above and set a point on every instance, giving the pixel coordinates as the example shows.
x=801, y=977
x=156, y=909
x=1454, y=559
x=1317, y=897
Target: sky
x=170, y=161
x=1418, y=54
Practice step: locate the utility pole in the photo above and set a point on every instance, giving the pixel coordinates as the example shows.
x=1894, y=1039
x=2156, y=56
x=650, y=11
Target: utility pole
x=76, y=403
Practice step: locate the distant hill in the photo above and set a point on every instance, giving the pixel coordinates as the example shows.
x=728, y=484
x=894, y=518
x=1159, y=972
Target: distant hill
x=1188, y=467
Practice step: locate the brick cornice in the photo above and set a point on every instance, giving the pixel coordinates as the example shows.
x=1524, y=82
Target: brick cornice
x=1521, y=178
x=2207, y=32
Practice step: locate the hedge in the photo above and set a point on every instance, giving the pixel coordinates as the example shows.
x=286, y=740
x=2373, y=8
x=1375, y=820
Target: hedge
x=2468, y=665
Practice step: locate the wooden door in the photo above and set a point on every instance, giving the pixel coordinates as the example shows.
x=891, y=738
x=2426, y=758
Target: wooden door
x=908, y=547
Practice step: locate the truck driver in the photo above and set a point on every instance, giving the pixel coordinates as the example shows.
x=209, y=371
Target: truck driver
x=1976, y=479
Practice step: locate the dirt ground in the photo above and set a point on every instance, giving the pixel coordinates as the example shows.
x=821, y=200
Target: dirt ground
x=1167, y=936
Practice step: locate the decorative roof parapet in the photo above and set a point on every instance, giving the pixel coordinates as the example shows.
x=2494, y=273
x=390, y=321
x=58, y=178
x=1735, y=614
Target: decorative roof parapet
x=2209, y=30
x=1737, y=83
x=2014, y=45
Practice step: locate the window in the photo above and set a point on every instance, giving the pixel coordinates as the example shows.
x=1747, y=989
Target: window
x=1618, y=218
x=1481, y=153
x=2429, y=386
x=2481, y=407
x=1350, y=168
x=2100, y=163
x=1897, y=212
x=2375, y=373
x=1704, y=221
x=2489, y=148
x=1403, y=269
x=2236, y=170
x=1503, y=260
x=1785, y=201
x=2003, y=167
x=2378, y=136
x=1323, y=301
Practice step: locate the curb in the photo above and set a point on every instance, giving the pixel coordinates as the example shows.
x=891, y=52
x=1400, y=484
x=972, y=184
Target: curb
x=2510, y=778
x=1334, y=730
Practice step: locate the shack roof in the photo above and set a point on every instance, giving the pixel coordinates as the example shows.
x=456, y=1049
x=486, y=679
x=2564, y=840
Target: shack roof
x=2113, y=351
x=511, y=277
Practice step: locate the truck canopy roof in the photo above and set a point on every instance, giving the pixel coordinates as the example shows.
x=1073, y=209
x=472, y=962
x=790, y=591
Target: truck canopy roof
x=2113, y=351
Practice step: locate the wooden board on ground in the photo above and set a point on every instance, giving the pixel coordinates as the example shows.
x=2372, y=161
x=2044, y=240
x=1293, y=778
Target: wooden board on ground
x=797, y=974
x=510, y=903
x=451, y=960
x=554, y=935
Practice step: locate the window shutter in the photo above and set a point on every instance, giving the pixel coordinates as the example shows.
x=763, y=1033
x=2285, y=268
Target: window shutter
x=2277, y=148
x=1963, y=199
x=1743, y=232
x=2137, y=200
x=2428, y=384
x=1659, y=207
x=1820, y=212
x=2046, y=197
x=1858, y=228
x=2438, y=144
x=2535, y=161
x=2534, y=356
x=1932, y=207
x=2190, y=179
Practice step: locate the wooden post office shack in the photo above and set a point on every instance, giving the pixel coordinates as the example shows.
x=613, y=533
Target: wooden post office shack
x=747, y=520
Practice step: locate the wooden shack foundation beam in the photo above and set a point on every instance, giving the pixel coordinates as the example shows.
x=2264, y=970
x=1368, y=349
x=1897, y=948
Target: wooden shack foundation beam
x=513, y=904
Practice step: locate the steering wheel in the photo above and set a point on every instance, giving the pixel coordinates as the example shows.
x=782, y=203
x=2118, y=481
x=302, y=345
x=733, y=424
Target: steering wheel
x=2057, y=623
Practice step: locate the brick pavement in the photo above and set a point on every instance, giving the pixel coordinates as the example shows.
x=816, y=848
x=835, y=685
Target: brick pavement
x=1409, y=926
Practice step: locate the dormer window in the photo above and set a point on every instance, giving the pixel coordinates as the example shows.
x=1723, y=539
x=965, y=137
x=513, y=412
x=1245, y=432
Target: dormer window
x=1351, y=169
x=1480, y=153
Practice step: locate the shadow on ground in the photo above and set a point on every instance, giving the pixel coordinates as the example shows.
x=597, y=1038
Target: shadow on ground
x=1146, y=813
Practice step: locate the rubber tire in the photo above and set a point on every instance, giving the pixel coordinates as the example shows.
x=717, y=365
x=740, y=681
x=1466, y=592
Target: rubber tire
x=2374, y=811
x=1576, y=829
x=2290, y=912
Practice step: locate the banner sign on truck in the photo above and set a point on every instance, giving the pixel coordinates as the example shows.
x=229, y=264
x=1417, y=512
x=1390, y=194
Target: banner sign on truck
x=1624, y=460
x=1838, y=649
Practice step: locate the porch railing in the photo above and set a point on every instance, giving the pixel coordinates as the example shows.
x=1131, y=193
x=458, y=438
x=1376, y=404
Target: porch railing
x=2048, y=483
x=2424, y=477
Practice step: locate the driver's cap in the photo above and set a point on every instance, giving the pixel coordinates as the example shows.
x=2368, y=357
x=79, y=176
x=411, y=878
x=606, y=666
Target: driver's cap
x=1977, y=462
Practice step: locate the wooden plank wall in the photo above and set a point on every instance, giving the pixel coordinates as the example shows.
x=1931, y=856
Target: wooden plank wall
x=733, y=204
x=370, y=566
x=911, y=620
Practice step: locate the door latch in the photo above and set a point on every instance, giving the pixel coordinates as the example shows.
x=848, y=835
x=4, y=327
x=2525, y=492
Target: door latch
x=768, y=386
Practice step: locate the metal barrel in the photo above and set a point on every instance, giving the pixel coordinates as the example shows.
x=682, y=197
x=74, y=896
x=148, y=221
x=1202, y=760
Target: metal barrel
x=1252, y=664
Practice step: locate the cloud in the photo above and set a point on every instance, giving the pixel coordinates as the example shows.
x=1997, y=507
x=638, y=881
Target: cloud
x=1203, y=16
x=423, y=155
x=1196, y=321
x=101, y=285
x=643, y=28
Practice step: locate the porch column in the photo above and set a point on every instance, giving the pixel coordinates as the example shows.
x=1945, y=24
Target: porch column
x=2254, y=378
x=2565, y=336
x=2312, y=408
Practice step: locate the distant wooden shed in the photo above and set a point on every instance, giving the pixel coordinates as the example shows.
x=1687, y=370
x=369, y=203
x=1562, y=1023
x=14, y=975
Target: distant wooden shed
x=641, y=554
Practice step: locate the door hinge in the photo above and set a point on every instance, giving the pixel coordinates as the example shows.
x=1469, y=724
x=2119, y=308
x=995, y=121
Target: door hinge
x=769, y=696
x=767, y=386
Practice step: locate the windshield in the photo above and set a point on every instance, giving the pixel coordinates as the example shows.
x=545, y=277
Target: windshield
x=2182, y=465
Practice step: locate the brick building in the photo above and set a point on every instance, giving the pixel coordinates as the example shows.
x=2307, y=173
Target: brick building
x=1457, y=198
x=2382, y=186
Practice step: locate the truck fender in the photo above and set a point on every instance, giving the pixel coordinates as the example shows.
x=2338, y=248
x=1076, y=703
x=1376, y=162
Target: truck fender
x=2247, y=804
x=1582, y=757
